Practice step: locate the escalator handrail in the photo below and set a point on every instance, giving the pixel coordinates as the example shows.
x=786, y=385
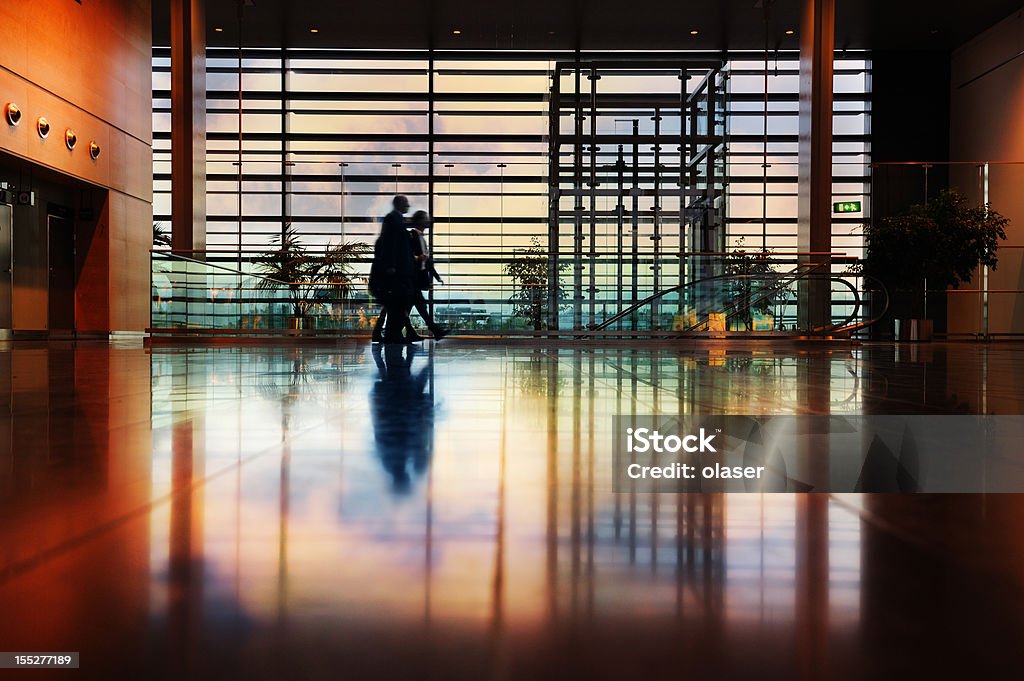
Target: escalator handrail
x=659, y=294
x=802, y=271
x=851, y=328
x=845, y=326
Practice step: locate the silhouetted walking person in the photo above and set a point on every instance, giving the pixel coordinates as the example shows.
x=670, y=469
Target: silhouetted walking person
x=393, y=274
x=426, y=275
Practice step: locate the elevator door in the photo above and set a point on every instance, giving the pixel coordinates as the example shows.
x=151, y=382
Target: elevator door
x=62, y=273
x=6, y=230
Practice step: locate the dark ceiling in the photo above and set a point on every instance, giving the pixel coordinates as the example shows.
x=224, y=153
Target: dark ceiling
x=596, y=24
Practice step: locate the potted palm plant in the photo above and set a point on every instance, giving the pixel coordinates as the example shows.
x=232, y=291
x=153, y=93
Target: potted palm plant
x=336, y=275
x=161, y=239
x=937, y=246
x=310, y=279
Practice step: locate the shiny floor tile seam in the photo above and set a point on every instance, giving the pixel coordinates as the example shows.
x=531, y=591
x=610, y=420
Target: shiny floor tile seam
x=606, y=383
x=26, y=565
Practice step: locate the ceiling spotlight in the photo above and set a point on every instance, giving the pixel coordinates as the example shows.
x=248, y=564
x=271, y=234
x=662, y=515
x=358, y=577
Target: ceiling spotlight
x=218, y=29
x=694, y=32
x=314, y=30
x=70, y=139
x=94, y=150
x=790, y=31
x=12, y=113
x=43, y=127
x=456, y=32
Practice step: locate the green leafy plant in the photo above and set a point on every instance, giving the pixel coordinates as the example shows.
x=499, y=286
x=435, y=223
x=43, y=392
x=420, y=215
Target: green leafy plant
x=753, y=288
x=290, y=266
x=161, y=238
x=528, y=269
x=942, y=242
x=335, y=266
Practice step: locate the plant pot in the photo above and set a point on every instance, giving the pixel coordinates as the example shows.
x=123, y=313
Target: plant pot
x=915, y=330
x=299, y=323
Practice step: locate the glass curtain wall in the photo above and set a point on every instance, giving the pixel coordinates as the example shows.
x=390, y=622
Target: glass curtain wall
x=321, y=140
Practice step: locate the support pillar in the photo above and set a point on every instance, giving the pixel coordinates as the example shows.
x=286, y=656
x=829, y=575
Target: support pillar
x=554, y=192
x=577, y=193
x=188, y=125
x=814, y=218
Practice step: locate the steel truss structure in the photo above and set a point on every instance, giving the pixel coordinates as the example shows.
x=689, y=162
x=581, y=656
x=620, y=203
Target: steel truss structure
x=506, y=147
x=664, y=171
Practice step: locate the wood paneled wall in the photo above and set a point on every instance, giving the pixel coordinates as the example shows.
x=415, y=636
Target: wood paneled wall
x=987, y=124
x=88, y=67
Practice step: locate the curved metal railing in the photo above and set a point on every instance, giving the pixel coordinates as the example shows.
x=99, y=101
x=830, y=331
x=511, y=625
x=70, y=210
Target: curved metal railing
x=774, y=283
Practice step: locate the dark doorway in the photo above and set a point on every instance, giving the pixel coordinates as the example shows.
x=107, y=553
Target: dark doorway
x=6, y=231
x=62, y=273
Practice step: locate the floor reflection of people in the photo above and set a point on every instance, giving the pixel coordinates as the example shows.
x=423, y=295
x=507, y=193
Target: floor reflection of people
x=403, y=414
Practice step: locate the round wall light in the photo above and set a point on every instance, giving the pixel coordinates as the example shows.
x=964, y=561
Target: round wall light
x=12, y=113
x=94, y=150
x=43, y=127
x=70, y=139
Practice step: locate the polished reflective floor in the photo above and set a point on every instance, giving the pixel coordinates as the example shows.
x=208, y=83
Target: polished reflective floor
x=447, y=513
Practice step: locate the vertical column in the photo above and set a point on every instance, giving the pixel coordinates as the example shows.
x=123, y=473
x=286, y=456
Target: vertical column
x=620, y=212
x=554, y=193
x=592, y=260
x=635, y=243
x=188, y=125
x=286, y=164
x=431, y=173
x=684, y=155
x=577, y=193
x=814, y=222
x=656, y=228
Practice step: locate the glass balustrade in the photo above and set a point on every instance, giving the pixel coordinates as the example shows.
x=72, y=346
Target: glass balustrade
x=732, y=293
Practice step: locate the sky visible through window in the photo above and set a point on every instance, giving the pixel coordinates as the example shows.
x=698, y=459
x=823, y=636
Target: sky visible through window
x=328, y=138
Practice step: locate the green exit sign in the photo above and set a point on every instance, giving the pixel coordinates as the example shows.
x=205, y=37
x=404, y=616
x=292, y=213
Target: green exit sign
x=846, y=207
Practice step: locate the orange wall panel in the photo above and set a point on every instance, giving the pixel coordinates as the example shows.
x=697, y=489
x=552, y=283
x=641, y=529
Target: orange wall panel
x=124, y=164
x=92, y=291
x=987, y=124
x=88, y=67
x=129, y=286
x=95, y=55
